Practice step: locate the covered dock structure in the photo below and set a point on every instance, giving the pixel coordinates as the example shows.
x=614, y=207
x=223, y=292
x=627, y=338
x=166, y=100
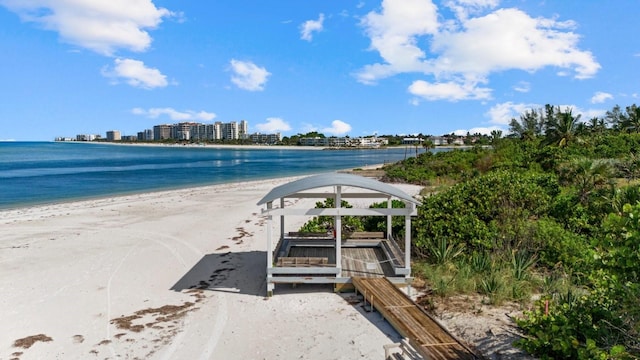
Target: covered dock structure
x=334, y=257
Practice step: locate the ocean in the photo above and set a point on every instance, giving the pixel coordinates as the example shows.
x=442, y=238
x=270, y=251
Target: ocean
x=33, y=173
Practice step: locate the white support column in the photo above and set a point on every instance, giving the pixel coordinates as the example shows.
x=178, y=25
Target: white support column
x=281, y=219
x=389, y=218
x=407, y=243
x=270, y=285
x=338, y=225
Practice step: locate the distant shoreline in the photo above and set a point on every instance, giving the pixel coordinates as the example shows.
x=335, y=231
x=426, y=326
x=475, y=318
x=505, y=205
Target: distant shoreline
x=260, y=147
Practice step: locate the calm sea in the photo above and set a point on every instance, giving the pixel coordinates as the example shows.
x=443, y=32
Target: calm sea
x=45, y=172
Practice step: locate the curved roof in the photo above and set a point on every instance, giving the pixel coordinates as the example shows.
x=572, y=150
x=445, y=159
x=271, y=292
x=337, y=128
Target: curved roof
x=334, y=179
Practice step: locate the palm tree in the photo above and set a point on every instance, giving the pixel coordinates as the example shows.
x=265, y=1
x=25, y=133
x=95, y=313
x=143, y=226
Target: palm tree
x=629, y=166
x=595, y=125
x=588, y=175
x=496, y=135
x=631, y=122
x=561, y=128
x=428, y=145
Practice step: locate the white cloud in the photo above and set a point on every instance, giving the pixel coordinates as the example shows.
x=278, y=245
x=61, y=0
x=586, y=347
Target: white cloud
x=585, y=114
x=393, y=33
x=600, y=97
x=522, y=86
x=451, y=91
x=175, y=115
x=502, y=114
x=411, y=36
x=102, y=26
x=464, y=8
x=136, y=74
x=338, y=127
x=273, y=125
x=511, y=39
x=307, y=128
x=310, y=26
x=248, y=76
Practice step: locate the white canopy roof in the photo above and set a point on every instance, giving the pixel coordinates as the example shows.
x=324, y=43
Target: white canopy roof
x=334, y=179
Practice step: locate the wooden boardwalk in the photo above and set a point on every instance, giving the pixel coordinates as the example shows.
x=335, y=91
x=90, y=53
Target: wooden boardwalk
x=425, y=334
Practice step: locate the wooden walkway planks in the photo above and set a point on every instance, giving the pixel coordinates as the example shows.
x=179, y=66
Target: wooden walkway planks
x=356, y=261
x=425, y=334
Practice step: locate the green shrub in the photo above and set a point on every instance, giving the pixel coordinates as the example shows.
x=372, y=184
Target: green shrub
x=586, y=326
x=488, y=213
x=561, y=247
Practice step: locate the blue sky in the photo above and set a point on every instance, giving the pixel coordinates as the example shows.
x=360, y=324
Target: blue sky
x=340, y=67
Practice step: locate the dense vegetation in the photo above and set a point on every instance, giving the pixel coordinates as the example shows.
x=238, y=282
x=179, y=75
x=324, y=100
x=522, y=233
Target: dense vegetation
x=550, y=210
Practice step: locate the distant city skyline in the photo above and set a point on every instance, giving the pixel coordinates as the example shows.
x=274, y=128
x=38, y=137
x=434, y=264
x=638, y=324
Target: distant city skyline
x=337, y=67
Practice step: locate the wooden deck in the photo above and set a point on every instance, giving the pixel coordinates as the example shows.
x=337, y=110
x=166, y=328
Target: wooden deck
x=356, y=261
x=425, y=334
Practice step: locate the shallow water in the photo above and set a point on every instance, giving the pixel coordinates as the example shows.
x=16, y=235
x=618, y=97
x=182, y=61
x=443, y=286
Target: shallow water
x=46, y=172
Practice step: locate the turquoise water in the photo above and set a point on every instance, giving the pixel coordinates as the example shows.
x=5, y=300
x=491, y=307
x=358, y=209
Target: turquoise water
x=45, y=172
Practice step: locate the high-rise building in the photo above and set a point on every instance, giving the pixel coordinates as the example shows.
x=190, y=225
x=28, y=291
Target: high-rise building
x=113, y=135
x=197, y=131
x=161, y=132
x=230, y=131
x=243, y=130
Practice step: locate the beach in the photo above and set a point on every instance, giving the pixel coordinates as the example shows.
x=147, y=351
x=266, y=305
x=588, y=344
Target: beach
x=166, y=275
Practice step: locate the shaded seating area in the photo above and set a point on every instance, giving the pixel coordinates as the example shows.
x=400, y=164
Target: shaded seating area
x=334, y=257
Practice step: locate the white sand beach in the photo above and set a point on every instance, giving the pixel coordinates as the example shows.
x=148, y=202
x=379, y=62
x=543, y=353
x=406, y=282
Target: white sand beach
x=165, y=275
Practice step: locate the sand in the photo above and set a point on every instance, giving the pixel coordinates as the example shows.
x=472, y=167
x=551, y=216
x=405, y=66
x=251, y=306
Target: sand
x=165, y=275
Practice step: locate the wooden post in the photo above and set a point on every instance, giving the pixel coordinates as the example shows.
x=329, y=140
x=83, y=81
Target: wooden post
x=389, y=218
x=270, y=285
x=407, y=243
x=281, y=218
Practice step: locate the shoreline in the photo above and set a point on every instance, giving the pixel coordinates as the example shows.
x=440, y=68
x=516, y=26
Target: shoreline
x=171, y=274
x=166, y=190
x=262, y=147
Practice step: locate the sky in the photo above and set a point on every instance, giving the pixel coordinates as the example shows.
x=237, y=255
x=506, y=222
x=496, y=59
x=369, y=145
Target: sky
x=339, y=67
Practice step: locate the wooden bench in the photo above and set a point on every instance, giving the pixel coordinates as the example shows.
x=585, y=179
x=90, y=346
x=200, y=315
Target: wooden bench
x=312, y=235
x=302, y=262
x=367, y=235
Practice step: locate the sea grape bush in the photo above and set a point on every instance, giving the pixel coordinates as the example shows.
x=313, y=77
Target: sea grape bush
x=590, y=326
x=481, y=211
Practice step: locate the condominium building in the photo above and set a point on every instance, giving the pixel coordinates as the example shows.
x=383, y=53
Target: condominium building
x=229, y=130
x=200, y=132
x=314, y=141
x=113, y=135
x=270, y=139
x=86, y=137
x=243, y=130
x=162, y=132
